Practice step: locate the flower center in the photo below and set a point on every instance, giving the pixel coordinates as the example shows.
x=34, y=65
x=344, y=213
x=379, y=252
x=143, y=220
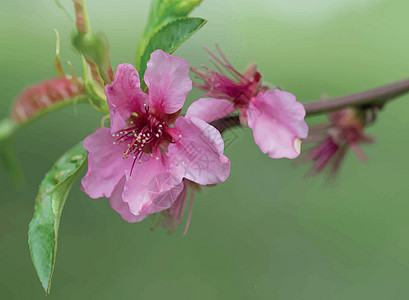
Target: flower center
x=144, y=133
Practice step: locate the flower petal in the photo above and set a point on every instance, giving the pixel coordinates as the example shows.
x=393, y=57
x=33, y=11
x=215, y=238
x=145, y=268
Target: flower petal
x=121, y=207
x=124, y=96
x=198, y=153
x=152, y=188
x=277, y=120
x=210, y=109
x=168, y=80
x=106, y=166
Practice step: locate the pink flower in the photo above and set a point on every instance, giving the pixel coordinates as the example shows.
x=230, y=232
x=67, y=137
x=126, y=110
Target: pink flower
x=140, y=163
x=239, y=87
x=332, y=140
x=276, y=118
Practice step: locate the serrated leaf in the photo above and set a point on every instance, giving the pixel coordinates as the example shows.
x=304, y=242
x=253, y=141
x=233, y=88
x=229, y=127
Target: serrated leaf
x=52, y=194
x=162, y=12
x=169, y=37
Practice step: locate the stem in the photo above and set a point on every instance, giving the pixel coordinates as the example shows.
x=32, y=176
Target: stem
x=378, y=96
x=374, y=97
x=82, y=22
x=86, y=18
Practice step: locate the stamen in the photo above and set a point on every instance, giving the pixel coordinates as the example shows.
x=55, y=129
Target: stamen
x=226, y=64
x=216, y=66
x=157, y=223
x=214, y=56
x=222, y=54
x=189, y=216
x=184, y=199
x=145, y=133
x=133, y=164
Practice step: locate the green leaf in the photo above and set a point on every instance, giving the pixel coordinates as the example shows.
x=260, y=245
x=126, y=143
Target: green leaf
x=169, y=37
x=43, y=228
x=162, y=12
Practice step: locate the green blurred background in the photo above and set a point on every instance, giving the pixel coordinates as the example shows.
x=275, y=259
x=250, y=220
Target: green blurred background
x=268, y=232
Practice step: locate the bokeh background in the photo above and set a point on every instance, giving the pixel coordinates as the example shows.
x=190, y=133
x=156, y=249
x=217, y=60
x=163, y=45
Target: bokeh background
x=268, y=232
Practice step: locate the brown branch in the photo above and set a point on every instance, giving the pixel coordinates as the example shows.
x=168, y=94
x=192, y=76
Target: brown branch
x=374, y=97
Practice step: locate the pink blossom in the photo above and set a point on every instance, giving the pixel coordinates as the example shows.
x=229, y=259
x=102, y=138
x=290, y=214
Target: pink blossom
x=142, y=161
x=276, y=118
x=333, y=139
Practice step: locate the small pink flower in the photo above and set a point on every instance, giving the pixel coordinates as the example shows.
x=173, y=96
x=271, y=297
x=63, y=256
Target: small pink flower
x=227, y=82
x=332, y=140
x=276, y=118
x=140, y=163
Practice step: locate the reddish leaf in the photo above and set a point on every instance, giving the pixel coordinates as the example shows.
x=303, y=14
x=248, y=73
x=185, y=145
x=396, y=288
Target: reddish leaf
x=41, y=96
